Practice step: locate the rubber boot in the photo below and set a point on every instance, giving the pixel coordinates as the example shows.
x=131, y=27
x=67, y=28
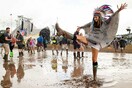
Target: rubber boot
x=82, y=54
x=95, y=66
x=78, y=55
x=10, y=54
x=74, y=55
x=5, y=57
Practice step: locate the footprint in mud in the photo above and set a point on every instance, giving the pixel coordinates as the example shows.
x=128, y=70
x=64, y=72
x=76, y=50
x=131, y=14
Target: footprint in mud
x=86, y=81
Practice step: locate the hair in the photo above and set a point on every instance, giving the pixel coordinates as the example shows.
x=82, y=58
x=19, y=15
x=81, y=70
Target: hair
x=7, y=28
x=99, y=23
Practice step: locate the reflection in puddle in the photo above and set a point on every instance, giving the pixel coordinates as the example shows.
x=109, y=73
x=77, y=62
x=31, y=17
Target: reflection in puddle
x=78, y=68
x=121, y=61
x=65, y=64
x=20, y=70
x=6, y=82
x=42, y=70
x=54, y=63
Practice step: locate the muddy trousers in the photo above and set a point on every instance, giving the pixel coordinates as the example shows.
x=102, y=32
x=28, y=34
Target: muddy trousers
x=6, y=48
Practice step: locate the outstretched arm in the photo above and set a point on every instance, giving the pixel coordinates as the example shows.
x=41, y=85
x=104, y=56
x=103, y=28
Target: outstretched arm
x=86, y=27
x=123, y=6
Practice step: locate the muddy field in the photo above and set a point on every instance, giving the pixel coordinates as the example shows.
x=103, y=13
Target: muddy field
x=43, y=70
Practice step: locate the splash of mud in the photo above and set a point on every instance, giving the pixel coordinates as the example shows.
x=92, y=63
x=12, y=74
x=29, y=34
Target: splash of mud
x=83, y=82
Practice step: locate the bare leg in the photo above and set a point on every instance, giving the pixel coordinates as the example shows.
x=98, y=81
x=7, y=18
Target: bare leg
x=82, y=39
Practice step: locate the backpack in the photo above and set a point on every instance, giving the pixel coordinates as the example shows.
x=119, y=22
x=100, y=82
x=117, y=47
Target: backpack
x=40, y=39
x=2, y=36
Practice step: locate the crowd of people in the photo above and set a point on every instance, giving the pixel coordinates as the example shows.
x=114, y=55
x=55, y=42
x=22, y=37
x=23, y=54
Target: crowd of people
x=9, y=41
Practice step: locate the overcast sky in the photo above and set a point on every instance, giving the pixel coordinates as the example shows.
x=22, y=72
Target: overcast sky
x=70, y=13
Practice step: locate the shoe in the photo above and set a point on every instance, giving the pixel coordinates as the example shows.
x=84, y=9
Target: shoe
x=11, y=54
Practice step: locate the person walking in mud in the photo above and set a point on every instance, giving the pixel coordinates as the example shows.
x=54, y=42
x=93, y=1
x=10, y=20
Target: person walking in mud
x=76, y=44
x=81, y=49
x=64, y=45
x=44, y=43
x=115, y=44
x=93, y=38
x=40, y=40
x=19, y=42
x=122, y=43
x=12, y=44
x=6, y=42
x=54, y=44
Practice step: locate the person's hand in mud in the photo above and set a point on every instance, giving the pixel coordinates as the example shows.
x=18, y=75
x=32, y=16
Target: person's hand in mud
x=123, y=6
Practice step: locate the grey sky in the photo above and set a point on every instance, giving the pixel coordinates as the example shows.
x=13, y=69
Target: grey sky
x=70, y=13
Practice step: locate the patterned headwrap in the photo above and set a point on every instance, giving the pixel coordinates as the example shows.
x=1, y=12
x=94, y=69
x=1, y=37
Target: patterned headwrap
x=104, y=12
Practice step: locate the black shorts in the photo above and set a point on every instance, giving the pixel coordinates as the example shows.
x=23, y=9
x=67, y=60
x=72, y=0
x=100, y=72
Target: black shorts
x=20, y=46
x=76, y=46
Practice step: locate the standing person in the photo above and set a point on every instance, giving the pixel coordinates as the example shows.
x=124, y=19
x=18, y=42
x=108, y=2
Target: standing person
x=34, y=43
x=64, y=45
x=81, y=47
x=6, y=42
x=40, y=43
x=76, y=44
x=115, y=44
x=122, y=44
x=12, y=44
x=98, y=36
x=19, y=41
x=54, y=45
x=45, y=43
x=27, y=44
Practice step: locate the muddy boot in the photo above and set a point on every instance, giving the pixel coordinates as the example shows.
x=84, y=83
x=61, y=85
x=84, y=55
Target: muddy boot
x=82, y=54
x=5, y=57
x=95, y=66
x=74, y=55
x=11, y=54
x=78, y=55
